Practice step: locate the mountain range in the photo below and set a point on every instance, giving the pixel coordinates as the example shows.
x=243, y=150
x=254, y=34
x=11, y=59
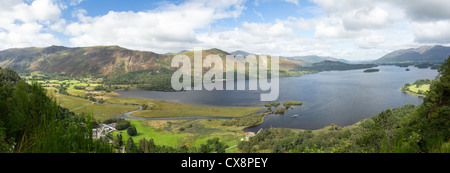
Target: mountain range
x=99, y=60
x=430, y=54
x=111, y=60
x=309, y=59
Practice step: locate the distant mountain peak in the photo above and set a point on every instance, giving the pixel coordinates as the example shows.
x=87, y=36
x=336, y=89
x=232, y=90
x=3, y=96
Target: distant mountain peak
x=181, y=51
x=436, y=53
x=315, y=59
x=241, y=52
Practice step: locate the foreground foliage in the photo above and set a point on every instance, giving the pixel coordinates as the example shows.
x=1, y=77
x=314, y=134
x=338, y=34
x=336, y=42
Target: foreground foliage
x=31, y=122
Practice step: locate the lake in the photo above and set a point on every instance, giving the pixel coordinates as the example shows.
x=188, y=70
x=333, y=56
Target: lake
x=339, y=97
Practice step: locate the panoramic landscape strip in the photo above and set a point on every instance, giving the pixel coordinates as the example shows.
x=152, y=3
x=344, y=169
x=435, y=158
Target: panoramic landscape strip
x=127, y=124
x=224, y=85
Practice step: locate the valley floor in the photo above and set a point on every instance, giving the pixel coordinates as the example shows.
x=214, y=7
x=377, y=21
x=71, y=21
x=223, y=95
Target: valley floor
x=173, y=133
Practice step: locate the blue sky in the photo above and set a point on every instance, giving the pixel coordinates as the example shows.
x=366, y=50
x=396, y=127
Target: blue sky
x=349, y=29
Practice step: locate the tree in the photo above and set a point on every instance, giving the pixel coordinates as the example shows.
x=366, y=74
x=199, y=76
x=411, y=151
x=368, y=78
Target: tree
x=147, y=146
x=117, y=141
x=245, y=146
x=144, y=107
x=79, y=87
x=130, y=147
x=433, y=117
x=132, y=131
x=120, y=139
x=122, y=124
x=98, y=88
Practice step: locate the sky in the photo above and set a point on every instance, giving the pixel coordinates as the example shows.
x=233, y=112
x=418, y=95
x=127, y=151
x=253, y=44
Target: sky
x=355, y=30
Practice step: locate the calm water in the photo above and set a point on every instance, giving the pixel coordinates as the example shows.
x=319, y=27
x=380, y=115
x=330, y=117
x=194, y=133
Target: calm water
x=339, y=97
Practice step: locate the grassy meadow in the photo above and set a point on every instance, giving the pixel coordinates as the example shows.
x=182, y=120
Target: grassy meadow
x=423, y=88
x=191, y=133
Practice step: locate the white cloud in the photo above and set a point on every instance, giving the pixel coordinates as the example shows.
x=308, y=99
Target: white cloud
x=39, y=10
x=349, y=17
x=259, y=15
x=277, y=38
x=334, y=27
x=426, y=20
x=432, y=32
x=75, y=2
x=359, y=33
x=154, y=30
x=268, y=30
x=339, y=6
x=25, y=24
x=424, y=10
x=375, y=18
x=296, y=2
x=349, y=29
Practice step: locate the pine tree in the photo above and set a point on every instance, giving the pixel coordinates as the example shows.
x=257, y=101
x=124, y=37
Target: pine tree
x=130, y=147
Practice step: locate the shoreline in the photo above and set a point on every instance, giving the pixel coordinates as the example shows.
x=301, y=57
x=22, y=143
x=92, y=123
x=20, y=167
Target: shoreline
x=412, y=93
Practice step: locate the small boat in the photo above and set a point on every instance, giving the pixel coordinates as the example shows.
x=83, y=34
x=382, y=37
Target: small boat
x=293, y=116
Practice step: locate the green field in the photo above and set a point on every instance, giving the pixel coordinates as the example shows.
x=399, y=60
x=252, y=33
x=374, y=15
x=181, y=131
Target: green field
x=67, y=101
x=423, y=88
x=80, y=105
x=160, y=137
x=168, y=109
x=193, y=133
x=420, y=87
x=419, y=91
x=106, y=111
